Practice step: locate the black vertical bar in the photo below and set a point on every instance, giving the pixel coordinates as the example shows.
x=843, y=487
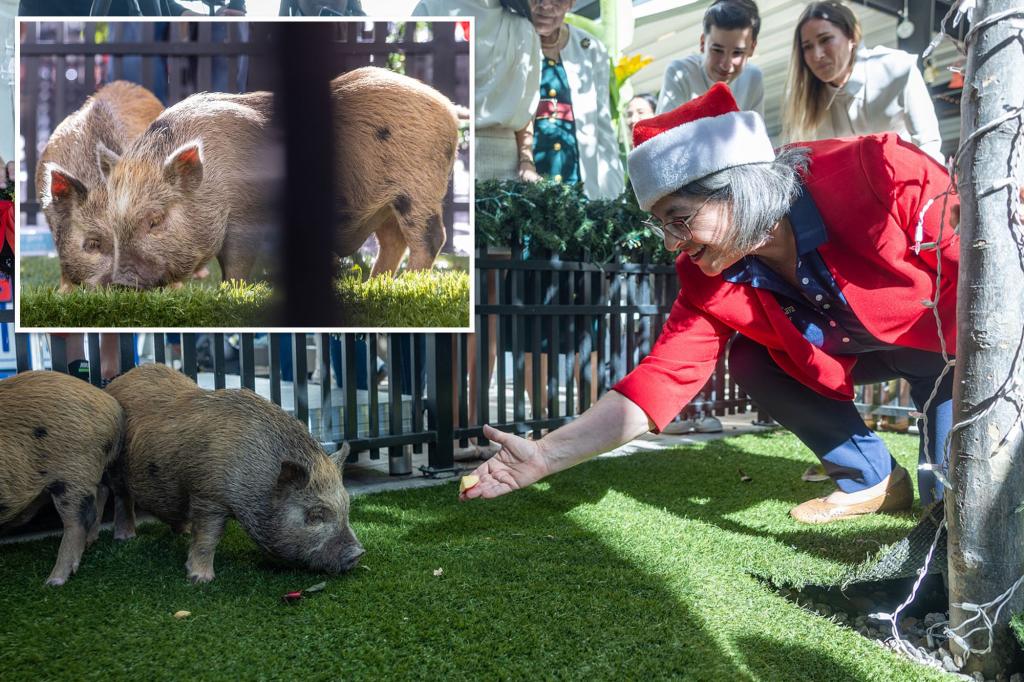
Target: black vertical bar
x=247, y=361
x=553, y=324
x=503, y=329
x=394, y=365
x=188, y=356
x=615, y=331
x=574, y=344
x=159, y=352
x=373, y=392
x=326, y=410
x=58, y=353
x=299, y=378
x=95, y=359
x=602, y=343
x=219, y=380
x=349, y=386
x=394, y=392
x=518, y=335
x=204, y=63
x=22, y=354
x=126, y=352
x=587, y=345
x=418, y=349
x=462, y=381
x=441, y=453
x=631, y=325
x=536, y=409
x=274, y=346
x=149, y=73
x=303, y=102
x=483, y=378
x=644, y=319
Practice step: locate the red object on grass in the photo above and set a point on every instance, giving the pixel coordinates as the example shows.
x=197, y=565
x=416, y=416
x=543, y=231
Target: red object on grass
x=292, y=597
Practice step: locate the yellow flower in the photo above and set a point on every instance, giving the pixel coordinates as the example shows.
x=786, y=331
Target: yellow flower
x=628, y=65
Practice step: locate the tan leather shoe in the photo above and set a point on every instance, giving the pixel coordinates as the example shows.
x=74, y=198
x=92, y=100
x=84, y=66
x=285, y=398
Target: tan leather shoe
x=898, y=496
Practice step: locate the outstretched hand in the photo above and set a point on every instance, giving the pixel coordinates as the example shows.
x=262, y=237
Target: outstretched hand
x=519, y=463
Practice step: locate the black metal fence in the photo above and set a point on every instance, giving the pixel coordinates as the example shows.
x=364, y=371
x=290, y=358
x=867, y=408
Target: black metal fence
x=63, y=63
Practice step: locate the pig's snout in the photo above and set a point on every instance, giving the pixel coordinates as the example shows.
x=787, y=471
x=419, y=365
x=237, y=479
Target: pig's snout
x=350, y=557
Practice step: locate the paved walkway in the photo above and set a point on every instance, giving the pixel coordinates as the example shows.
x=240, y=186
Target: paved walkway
x=371, y=476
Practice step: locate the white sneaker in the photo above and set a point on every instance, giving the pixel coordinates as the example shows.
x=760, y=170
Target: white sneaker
x=680, y=427
x=708, y=424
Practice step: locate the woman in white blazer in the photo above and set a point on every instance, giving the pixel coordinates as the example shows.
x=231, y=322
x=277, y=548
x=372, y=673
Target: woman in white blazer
x=573, y=137
x=839, y=88
x=507, y=77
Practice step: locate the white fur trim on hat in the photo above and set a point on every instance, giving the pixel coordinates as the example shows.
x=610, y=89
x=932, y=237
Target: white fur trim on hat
x=678, y=156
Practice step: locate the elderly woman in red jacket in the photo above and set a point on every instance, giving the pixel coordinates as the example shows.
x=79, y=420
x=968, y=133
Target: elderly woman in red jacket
x=824, y=258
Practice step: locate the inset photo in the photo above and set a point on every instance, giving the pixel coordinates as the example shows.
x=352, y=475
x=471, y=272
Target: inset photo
x=246, y=174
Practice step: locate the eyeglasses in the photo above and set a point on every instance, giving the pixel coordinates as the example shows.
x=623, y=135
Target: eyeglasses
x=677, y=228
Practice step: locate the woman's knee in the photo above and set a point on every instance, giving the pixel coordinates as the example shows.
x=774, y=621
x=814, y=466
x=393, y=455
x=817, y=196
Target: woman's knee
x=747, y=361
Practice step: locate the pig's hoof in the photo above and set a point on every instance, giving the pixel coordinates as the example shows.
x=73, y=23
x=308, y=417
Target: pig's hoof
x=198, y=578
x=56, y=581
x=123, y=535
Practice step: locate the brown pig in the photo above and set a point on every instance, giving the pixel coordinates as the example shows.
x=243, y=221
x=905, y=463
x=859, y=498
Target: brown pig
x=189, y=189
x=72, y=191
x=195, y=458
x=58, y=436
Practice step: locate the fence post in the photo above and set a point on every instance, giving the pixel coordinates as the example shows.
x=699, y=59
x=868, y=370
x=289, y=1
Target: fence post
x=440, y=416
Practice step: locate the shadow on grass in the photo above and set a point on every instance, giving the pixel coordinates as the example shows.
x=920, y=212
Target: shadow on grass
x=768, y=658
x=501, y=609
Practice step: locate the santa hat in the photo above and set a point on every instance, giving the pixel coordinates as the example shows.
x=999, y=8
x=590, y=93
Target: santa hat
x=696, y=139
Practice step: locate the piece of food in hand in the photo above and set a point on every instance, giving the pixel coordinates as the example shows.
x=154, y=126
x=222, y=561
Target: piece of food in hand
x=468, y=482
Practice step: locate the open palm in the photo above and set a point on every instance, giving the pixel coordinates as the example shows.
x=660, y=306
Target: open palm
x=520, y=463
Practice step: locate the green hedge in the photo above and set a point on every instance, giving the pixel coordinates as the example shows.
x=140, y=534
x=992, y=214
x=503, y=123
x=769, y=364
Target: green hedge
x=559, y=217
x=435, y=298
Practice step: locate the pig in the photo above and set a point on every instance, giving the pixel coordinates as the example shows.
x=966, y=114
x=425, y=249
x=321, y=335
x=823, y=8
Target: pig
x=71, y=189
x=194, y=458
x=58, y=437
x=183, y=192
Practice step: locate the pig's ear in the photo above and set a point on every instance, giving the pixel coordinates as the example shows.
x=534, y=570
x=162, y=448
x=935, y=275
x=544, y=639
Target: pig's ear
x=184, y=167
x=60, y=188
x=292, y=476
x=340, y=455
x=106, y=159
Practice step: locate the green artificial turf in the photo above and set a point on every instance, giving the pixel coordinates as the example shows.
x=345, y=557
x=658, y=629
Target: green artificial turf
x=638, y=567
x=425, y=298
x=229, y=304
x=436, y=298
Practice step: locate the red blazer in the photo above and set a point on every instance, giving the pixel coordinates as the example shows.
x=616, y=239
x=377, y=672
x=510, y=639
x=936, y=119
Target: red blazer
x=870, y=192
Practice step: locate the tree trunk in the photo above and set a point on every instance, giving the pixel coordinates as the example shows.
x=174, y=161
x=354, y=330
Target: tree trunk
x=986, y=535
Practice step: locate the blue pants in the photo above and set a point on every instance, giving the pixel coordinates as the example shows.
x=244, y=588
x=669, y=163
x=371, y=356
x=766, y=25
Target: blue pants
x=853, y=455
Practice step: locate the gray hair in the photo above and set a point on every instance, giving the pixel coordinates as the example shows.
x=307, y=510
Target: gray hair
x=760, y=193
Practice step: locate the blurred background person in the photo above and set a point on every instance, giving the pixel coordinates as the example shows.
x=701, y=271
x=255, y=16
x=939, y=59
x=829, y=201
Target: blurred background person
x=572, y=138
x=638, y=108
x=507, y=77
x=838, y=88
x=727, y=42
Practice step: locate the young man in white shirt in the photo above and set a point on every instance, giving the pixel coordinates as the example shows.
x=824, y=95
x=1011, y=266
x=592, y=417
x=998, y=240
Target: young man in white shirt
x=728, y=41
